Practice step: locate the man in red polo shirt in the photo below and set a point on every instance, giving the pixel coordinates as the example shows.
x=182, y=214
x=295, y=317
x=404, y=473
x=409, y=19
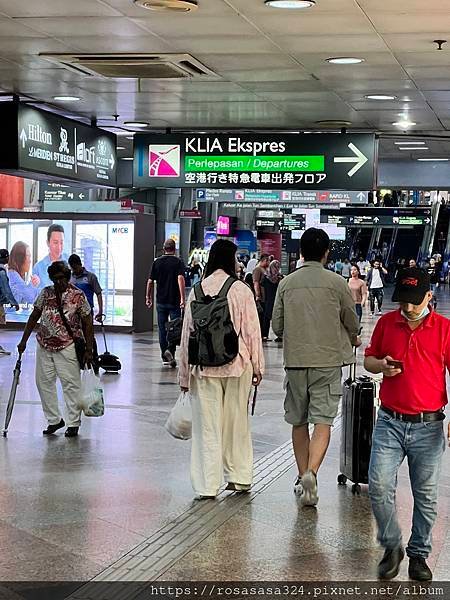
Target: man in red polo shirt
x=411, y=347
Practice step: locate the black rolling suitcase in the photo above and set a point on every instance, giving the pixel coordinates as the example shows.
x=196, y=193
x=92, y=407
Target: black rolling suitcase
x=358, y=419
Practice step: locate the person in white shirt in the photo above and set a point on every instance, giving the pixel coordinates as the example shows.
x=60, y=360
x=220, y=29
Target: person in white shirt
x=363, y=266
x=251, y=265
x=375, y=283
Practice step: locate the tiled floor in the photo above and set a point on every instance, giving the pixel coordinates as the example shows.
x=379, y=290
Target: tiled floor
x=72, y=509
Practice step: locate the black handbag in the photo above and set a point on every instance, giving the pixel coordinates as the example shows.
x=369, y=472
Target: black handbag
x=79, y=342
x=174, y=329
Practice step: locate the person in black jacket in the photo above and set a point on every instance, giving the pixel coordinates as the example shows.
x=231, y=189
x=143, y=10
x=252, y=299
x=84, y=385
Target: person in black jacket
x=376, y=282
x=434, y=273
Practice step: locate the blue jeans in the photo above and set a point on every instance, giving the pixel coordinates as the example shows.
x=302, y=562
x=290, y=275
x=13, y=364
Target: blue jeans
x=423, y=445
x=166, y=311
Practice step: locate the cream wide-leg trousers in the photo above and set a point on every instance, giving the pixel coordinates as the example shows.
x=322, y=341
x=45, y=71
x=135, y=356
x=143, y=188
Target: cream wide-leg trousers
x=221, y=435
x=64, y=365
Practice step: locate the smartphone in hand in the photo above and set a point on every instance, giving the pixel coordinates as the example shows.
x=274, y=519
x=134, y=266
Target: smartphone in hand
x=397, y=364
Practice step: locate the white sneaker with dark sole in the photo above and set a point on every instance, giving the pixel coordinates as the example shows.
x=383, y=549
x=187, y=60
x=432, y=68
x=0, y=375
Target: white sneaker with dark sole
x=309, y=496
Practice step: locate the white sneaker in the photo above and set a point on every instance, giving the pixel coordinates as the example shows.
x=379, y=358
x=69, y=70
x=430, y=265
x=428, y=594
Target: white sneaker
x=309, y=496
x=298, y=486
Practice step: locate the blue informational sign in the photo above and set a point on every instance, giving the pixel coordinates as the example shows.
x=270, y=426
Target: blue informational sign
x=245, y=240
x=201, y=194
x=209, y=238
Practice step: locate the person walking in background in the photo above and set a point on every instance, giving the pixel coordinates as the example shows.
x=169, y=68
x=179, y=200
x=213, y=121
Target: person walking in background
x=315, y=315
x=363, y=266
x=168, y=273
x=339, y=266
x=64, y=315
x=410, y=347
x=88, y=283
x=259, y=272
x=6, y=295
x=412, y=263
x=251, y=264
x=270, y=285
x=346, y=267
x=19, y=268
x=375, y=283
x=358, y=290
x=435, y=276
x=195, y=272
x=221, y=435
x=55, y=245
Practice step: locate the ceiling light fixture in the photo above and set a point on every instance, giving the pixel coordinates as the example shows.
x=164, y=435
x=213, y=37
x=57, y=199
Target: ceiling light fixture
x=130, y=137
x=181, y=6
x=408, y=142
x=127, y=158
x=380, y=97
x=433, y=159
x=295, y=4
x=135, y=124
x=404, y=124
x=415, y=148
x=345, y=60
x=67, y=98
x=120, y=148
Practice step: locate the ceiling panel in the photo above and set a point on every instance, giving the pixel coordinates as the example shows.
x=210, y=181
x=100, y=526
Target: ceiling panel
x=365, y=72
x=273, y=75
x=55, y=8
x=253, y=8
x=196, y=25
x=409, y=23
x=429, y=59
x=333, y=45
x=313, y=24
x=405, y=6
x=80, y=26
x=247, y=62
x=207, y=7
x=100, y=44
x=223, y=44
x=372, y=87
x=419, y=42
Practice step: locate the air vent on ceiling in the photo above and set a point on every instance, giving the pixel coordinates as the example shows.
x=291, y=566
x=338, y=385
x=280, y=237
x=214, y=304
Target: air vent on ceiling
x=132, y=66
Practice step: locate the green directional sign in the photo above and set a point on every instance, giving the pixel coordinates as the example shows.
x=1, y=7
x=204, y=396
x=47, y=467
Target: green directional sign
x=256, y=161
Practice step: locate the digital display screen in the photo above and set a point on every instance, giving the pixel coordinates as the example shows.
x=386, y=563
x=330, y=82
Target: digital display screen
x=223, y=225
x=312, y=219
x=106, y=248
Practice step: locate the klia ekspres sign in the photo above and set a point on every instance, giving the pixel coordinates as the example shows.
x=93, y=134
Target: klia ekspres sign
x=313, y=161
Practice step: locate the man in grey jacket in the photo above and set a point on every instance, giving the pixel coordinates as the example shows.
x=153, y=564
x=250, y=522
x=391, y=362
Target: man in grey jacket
x=315, y=315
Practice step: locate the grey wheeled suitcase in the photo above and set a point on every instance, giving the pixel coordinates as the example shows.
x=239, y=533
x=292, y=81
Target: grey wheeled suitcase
x=358, y=419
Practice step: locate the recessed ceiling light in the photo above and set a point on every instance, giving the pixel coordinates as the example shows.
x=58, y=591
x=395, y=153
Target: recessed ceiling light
x=345, y=60
x=183, y=6
x=408, y=143
x=404, y=124
x=433, y=159
x=67, y=98
x=380, y=97
x=135, y=124
x=130, y=137
x=333, y=123
x=127, y=158
x=120, y=148
x=415, y=148
x=290, y=3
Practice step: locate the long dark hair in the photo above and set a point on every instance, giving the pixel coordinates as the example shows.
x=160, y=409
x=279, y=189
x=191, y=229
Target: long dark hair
x=222, y=256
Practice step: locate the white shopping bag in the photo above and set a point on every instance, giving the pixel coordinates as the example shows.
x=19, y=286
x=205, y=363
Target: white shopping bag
x=92, y=401
x=179, y=423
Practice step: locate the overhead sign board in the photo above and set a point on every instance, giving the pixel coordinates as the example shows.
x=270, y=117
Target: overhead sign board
x=283, y=196
x=257, y=161
x=59, y=191
x=44, y=145
x=376, y=217
x=190, y=213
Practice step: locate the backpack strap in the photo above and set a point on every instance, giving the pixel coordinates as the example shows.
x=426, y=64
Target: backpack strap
x=226, y=287
x=198, y=291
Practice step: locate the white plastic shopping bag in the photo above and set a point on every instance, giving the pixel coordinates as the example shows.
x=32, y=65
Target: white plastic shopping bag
x=92, y=401
x=179, y=423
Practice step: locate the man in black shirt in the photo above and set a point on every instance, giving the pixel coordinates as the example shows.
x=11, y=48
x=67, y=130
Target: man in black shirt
x=168, y=272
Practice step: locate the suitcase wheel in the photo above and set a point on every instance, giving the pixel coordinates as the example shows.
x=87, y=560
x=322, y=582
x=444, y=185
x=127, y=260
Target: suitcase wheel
x=342, y=479
x=356, y=489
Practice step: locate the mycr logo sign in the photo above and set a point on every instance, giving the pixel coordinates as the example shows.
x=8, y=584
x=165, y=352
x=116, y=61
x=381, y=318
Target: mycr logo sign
x=164, y=160
x=120, y=229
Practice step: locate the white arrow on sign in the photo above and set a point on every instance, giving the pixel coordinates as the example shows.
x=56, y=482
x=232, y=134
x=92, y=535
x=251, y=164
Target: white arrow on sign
x=112, y=162
x=427, y=221
x=360, y=159
x=376, y=220
x=23, y=138
x=361, y=196
x=81, y=196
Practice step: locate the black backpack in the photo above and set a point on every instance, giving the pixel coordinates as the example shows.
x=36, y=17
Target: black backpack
x=214, y=341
